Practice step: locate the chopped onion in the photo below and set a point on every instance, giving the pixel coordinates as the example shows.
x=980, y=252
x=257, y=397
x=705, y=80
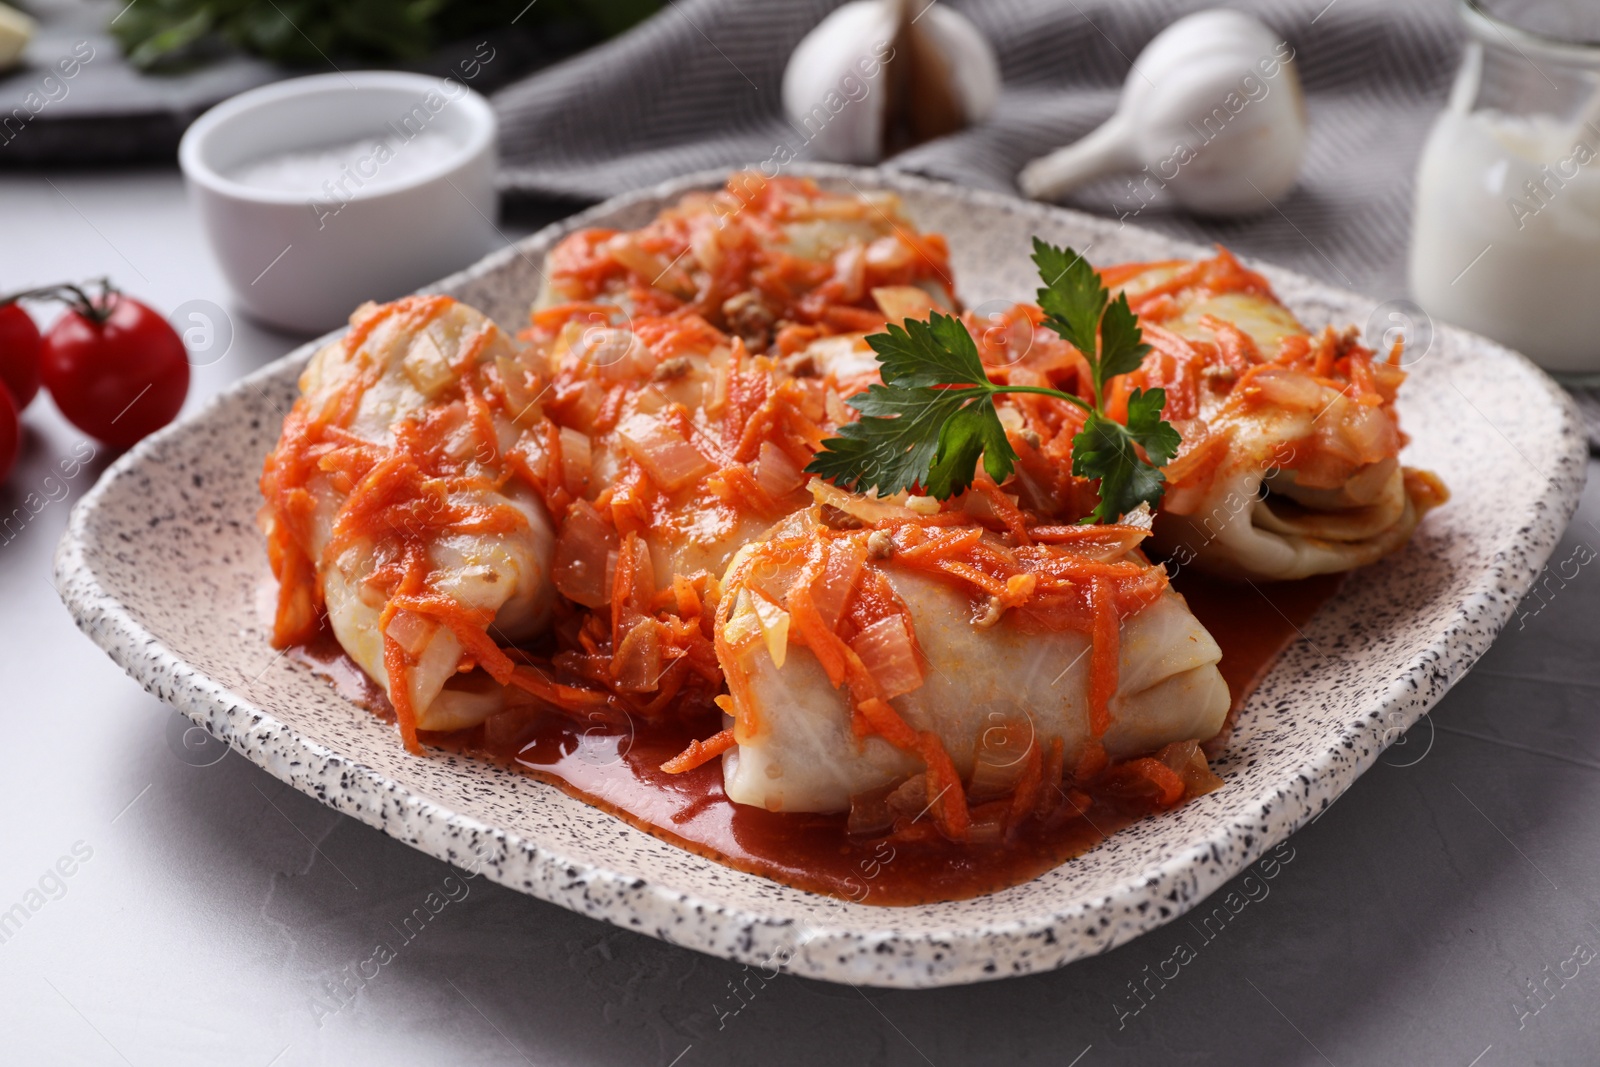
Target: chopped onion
x=988, y=824
x=533, y=455
x=427, y=367
x=979, y=505
x=901, y=302
x=774, y=623
x=521, y=386
x=1189, y=762
x=1001, y=759
x=411, y=631
x=1105, y=543
x=849, y=273
x=910, y=797
x=584, y=407
x=642, y=586
x=1178, y=754
x=742, y=626
x=887, y=651
x=636, y=665
x=617, y=354
x=649, y=266
x=458, y=431
x=1201, y=447
x=835, y=409
x=707, y=249
x=832, y=589
x=869, y=509
x=1290, y=389
x=1388, y=379
x=812, y=400
x=579, y=566
x=670, y=461
x=889, y=253
x=646, y=264
x=1367, y=432
x=576, y=459
x=775, y=472
x=1366, y=486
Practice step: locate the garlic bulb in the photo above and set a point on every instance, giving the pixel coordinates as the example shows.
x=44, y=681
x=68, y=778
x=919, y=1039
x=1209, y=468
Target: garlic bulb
x=873, y=78
x=1211, y=112
x=16, y=29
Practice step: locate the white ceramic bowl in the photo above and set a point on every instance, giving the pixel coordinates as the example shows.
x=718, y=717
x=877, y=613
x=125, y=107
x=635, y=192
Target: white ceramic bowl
x=302, y=260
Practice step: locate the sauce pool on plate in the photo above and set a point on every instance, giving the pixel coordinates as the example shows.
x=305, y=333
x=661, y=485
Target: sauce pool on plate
x=620, y=772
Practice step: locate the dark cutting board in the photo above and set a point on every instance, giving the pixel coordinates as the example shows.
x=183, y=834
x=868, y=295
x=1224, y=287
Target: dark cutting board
x=109, y=112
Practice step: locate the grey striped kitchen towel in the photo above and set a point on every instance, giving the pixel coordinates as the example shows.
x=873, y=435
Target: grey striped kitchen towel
x=697, y=86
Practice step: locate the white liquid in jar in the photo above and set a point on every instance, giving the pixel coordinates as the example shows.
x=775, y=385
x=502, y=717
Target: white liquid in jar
x=1506, y=238
x=336, y=172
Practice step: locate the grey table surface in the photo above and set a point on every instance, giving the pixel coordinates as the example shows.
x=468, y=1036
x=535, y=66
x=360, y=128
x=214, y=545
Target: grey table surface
x=1444, y=911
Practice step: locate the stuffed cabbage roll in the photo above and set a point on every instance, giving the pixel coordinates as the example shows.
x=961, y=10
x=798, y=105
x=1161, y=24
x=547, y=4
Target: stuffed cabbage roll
x=666, y=446
x=776, y=262
x=1290, y=463
x=899, y=647
x=389, y=502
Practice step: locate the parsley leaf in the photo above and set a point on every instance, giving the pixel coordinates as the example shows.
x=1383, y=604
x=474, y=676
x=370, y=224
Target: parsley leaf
x=1122, y=347
x=1104, y=449
x=934, y=417
x=973, y=431
x=897, y=439
x=937, y=352
x=1072, y=297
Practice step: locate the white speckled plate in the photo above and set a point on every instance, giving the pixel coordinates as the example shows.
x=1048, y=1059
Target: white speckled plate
x=162, y=565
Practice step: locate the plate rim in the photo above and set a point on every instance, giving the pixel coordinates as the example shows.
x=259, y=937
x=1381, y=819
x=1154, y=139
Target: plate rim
x=816, y=950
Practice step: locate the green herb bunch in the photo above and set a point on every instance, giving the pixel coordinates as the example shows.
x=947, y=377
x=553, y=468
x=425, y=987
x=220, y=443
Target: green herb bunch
x=163, y=34
x=933, y=418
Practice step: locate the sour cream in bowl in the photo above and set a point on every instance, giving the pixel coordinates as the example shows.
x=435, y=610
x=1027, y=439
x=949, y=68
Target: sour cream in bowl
x=319, y=193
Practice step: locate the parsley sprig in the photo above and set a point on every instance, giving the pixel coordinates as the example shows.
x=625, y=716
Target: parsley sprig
x=934, y=417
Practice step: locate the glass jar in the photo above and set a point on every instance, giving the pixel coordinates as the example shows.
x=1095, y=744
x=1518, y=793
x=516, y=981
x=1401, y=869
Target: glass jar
x=1506, y=233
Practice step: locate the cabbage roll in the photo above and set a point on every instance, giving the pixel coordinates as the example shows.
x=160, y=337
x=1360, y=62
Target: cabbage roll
x=389, y=503
x=1290, y=463
x=651, y=416
x=776, y=262
x=1080, y=645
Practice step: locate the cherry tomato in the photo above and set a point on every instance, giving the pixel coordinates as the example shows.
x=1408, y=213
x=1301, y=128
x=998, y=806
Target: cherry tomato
x=19, y=353
x=117, y=379
x=10, y=433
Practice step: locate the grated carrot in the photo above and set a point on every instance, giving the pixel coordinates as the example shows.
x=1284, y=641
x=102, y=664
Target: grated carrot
x=1103, y=660
x=700, y=753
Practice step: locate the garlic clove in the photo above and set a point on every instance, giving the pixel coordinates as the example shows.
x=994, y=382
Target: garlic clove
x=952, y=68
x=874, y=78
x=923, y=101
x=833, y=87
x=1212, y=113
x=1110, y=149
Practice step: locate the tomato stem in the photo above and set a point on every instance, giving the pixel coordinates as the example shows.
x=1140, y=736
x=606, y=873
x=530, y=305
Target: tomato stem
x=74, y=296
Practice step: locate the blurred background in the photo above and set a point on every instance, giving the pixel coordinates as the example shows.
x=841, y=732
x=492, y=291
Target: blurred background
x=216, y=916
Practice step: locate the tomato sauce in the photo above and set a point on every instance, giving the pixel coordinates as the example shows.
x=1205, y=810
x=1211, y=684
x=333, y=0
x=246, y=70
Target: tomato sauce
x=620, y=773
x=1253, y=622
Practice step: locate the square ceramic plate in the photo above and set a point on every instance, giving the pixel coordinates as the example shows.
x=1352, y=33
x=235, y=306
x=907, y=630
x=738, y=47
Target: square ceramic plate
x=163, y=566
